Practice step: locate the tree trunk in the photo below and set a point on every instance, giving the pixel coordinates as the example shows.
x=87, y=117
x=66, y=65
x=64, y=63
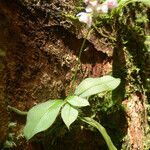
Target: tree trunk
x=41, y=43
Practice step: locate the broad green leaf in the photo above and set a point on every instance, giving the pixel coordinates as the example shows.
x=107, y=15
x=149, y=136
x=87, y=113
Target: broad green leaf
x=102, y=130
x=77, y=101
x=69, y=114
x=91, y=86
x=41, y=117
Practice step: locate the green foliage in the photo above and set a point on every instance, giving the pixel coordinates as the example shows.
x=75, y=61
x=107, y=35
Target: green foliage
x=146, y=2
x=2, y=53
x=102, y=130
x=102, y=104
x=147, y=43
x=92, y=86
x=77, y=101
x=41, y=117
x=69, y=114
x=123, y=3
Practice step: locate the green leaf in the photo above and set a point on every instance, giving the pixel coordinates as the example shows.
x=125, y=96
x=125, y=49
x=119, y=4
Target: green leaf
x=91, y=86
x=102, y=130
x=77, y=101
x=41, y=117
x=69, y=114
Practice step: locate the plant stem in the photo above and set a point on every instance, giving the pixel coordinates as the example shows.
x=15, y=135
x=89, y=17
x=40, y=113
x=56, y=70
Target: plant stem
x=101, y=129
x=79, y=56
x=17, y=111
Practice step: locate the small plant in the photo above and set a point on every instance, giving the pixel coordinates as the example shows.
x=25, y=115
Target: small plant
x=42, y=116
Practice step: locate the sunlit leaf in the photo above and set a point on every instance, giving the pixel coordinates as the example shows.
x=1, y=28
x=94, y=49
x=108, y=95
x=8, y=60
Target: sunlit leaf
x=91, y=86
x=41, y=117
x=69, y=114
x=102, y=130
x=77, y=101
